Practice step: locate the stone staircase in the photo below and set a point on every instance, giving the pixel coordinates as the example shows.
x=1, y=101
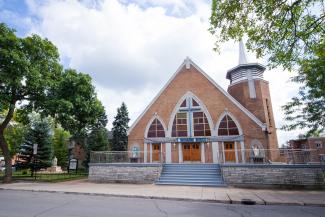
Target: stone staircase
x=191, y=174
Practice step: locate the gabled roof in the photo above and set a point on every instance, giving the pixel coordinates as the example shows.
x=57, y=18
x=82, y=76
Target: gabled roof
x=187, y=63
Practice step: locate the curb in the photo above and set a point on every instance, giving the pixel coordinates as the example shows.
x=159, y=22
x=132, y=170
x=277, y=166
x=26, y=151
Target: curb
x=265, y=203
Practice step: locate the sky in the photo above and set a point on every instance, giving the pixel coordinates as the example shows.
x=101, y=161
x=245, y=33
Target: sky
x=132, y=47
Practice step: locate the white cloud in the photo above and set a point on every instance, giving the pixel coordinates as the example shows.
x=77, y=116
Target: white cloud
x=132, y=48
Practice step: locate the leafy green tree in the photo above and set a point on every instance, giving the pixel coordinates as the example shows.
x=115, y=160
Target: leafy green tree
x=97, y=140
x=290, y=34
x=119, y=130
x=15, y=135
x=39, y=132
x=30, y=73
x=60, y=146
x=74, y=104
x=307, y=110
x=285, y=31
x=29, y=66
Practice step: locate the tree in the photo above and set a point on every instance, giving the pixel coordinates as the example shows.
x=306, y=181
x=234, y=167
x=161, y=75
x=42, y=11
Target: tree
x=74, y=104
x=39, y=132
x=307, y=110
x=119, y=130
x=29, y=66
x=30, y=73
x=15, y=135
x=60, y=146
x=97, y=140
x=291, y=35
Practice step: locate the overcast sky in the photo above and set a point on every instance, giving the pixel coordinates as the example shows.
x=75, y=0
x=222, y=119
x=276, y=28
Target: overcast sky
x=132, y=47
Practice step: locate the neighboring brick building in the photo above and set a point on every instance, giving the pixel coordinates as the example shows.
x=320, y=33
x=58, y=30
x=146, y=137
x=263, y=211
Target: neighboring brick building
x=307, y=150
x=192, y=119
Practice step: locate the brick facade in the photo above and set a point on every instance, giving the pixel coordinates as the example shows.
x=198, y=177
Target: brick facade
x=217, y=102
x=308, y=150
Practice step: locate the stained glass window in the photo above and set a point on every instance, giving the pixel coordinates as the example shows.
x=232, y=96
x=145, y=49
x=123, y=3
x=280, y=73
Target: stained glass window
x=201, y=125
x=156, y=129
x=194, y=103
x=180, y=125
x=183, y=104
x=227, y=127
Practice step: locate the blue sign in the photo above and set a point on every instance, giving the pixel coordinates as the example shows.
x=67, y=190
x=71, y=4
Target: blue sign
x=190, y=139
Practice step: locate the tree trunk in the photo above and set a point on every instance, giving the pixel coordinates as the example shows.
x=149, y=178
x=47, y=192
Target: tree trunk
x=3, y=144
x=6, y=154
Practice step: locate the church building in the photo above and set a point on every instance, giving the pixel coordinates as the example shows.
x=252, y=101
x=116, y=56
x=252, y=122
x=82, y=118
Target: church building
x=194, y=120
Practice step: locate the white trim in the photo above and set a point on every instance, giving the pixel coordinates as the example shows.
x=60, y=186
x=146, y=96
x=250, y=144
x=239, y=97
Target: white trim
x=245, y=80
x=187, y=95
x=233, y=100
x=242, y=147
x=150, y=152
x=168, y=149
x=145, y=147
x=251, y=84
x=155, y=116
x=226, y=112
x=215, y=152
x=180, y=153
x=236, y=152
x=202, y=152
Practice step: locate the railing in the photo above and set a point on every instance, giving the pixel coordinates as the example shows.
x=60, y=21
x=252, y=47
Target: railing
x=223, y=155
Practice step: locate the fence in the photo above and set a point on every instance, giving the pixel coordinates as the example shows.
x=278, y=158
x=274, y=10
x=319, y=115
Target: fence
x=223, y=155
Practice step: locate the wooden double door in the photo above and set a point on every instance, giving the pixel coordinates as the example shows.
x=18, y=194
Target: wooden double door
x=191, y=152
x=229, y=148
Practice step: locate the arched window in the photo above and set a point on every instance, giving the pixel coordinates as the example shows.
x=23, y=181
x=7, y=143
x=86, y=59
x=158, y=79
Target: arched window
x=227, y=127
x=201, y=124
x=190, y=120
x=156, y=129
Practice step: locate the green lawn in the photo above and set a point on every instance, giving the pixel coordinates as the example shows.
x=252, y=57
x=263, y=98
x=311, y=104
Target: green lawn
x=48, y=177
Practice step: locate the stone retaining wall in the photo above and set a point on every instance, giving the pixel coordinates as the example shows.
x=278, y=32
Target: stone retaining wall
x=252, y=175
x=123, y=172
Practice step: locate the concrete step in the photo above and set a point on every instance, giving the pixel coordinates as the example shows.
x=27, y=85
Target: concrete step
x=191, y=174
x=212, y=184
x=191, y=179
x=191, y=171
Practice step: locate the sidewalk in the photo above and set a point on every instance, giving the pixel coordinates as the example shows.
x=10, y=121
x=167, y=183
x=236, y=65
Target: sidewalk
x=219, y=195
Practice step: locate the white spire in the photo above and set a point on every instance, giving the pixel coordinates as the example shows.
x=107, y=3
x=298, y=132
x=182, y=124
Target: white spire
x=242, y=54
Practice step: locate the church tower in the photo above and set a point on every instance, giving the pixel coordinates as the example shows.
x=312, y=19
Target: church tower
x=249, y=88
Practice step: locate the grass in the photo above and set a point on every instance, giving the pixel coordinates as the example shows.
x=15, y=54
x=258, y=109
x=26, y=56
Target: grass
x=25, y=175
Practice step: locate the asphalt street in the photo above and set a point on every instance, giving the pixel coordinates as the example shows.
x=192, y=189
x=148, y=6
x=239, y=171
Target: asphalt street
x=40, y=204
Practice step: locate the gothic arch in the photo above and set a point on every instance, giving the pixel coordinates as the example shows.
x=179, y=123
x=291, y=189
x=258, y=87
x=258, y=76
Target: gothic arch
x=226, y=112
x=154, y=117
x=189, y=94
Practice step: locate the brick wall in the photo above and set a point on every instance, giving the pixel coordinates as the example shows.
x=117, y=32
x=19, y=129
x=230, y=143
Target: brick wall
x=214, y=100
x=123, y=173
x=274, y=175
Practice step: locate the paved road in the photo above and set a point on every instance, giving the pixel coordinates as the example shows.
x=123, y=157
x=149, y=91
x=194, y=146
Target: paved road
x=40, y=204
